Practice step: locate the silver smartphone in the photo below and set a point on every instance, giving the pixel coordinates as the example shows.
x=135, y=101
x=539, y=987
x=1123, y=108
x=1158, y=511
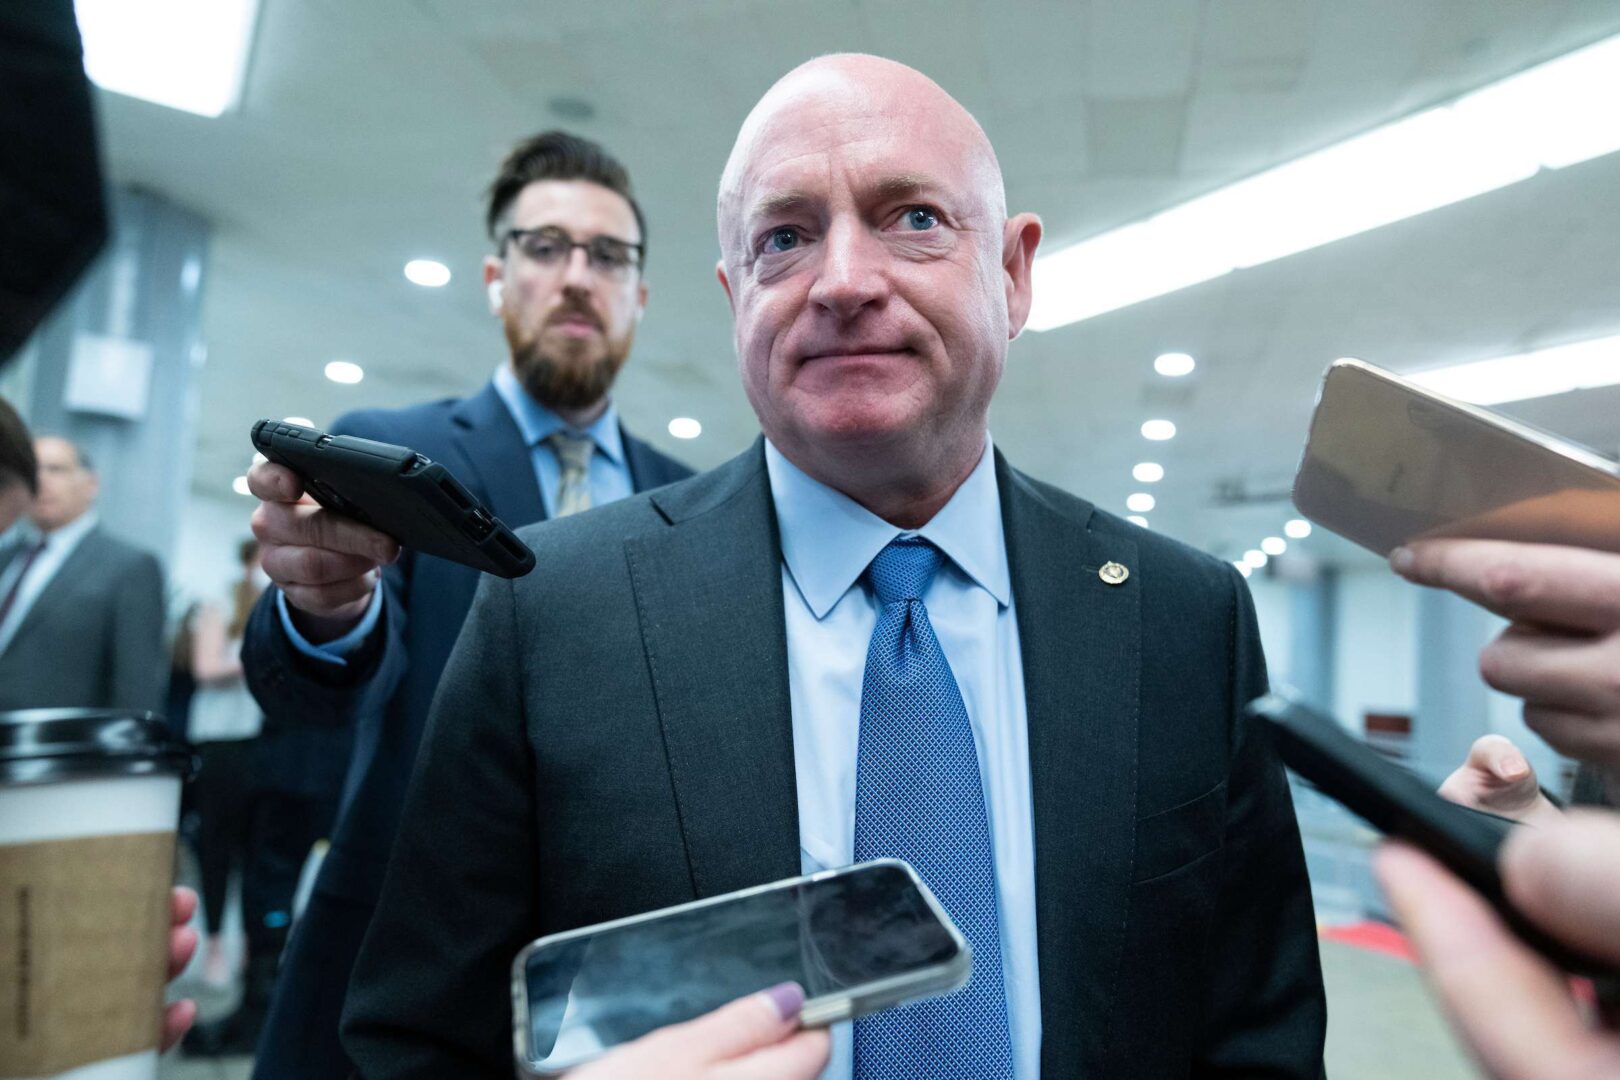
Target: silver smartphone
x=1388, y=462
x=857, y=940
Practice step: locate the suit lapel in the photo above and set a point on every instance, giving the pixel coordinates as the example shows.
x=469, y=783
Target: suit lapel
x=489, y=439
x=709, y=599
x=639, y=459
x=1081, y=652
x=82, y=563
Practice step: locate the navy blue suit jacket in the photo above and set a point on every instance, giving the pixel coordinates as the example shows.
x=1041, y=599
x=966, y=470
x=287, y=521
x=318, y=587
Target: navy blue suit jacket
x=384, y=693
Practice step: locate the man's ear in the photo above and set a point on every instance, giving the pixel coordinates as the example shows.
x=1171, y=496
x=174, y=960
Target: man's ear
x=725, y=283
x=641, y=300
x=494, y=283
x=1019, y=241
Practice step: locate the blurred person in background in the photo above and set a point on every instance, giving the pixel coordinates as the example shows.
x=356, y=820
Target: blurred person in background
x=1561, y=655
x=356, y=633
x=81, y=612
x=224, y=723
x=19, y=471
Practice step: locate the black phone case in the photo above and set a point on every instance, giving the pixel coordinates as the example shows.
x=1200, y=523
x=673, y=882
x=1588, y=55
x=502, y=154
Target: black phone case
x=396, y=491
x=1400, y=804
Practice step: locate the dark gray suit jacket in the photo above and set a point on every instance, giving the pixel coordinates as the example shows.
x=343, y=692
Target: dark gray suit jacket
x=613, y=735
x=94, y=636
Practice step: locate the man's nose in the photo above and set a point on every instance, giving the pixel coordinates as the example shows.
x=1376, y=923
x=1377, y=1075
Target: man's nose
x=851, y=274
x=577, y=272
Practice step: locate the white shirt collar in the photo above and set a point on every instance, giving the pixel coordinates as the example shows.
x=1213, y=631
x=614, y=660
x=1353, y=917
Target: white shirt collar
x=535, y=422
x=828, y=539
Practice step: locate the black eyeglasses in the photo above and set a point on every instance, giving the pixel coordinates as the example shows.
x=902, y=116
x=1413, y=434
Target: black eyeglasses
x=551, y=247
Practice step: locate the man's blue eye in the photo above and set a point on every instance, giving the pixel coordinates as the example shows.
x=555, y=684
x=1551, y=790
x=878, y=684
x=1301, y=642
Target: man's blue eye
x=921, y=218
x=783, y=239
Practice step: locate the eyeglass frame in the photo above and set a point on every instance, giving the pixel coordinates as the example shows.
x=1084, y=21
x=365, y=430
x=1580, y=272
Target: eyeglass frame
x=563, y=236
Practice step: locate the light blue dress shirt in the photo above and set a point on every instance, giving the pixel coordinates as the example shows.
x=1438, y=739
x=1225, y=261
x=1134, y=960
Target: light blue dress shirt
x=827, y=541
x=609, y=479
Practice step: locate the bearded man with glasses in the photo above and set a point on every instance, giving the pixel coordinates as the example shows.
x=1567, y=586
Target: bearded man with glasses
x=356, y=631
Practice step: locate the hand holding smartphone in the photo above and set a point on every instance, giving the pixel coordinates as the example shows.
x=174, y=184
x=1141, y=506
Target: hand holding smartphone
x=857, y=940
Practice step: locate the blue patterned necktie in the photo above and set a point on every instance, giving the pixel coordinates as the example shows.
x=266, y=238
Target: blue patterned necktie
x=919, y=797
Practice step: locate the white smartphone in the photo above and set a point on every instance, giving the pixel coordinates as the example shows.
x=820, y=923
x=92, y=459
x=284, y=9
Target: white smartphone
x=857, y=940
x=1388, y=462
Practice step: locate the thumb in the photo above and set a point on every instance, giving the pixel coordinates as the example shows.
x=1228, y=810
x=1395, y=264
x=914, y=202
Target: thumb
x=746, y=1024
x=1565, y=877
x=1500, y=760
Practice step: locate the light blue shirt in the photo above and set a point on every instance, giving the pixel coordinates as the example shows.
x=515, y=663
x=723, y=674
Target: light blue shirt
x=58, y=546
x=827, y=542
x=609, y=478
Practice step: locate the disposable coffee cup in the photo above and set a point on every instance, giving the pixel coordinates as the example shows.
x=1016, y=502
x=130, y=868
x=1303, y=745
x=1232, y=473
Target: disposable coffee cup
x=89, y=802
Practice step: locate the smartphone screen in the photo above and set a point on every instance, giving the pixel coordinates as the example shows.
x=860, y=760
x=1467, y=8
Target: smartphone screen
x=1388, y=462
x=831, y=933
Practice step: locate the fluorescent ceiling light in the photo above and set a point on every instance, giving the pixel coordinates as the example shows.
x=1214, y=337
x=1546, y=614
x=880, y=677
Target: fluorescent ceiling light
x=239, y=485
x=1579, y=365
x=1140, y=502
x=1174, y=364
x=427, y=273
x=1297, y=529
x=684, y=427
x=1273, y=545
x=1137, y=519
x=1256, y=558
x=186, y=54
x=342, y=371
x=1243, y=567
x=1148, y=472
x=1158, y=430
x=1550, y=116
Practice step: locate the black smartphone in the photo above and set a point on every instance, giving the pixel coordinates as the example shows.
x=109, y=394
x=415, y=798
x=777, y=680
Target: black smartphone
x=397, y=491
x=1398, y=803
x=859, y=939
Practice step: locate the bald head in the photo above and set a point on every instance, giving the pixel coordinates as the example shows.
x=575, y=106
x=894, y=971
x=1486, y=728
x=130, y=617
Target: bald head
x=854, y=91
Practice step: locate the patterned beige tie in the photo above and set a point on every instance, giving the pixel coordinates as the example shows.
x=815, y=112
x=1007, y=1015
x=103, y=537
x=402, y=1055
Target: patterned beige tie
x=574, y=456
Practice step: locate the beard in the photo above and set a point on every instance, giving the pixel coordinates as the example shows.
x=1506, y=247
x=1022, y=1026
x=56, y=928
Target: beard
x=564, y=373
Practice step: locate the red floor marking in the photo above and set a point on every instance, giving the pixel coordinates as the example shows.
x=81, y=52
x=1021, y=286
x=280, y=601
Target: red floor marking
x=1373, y=936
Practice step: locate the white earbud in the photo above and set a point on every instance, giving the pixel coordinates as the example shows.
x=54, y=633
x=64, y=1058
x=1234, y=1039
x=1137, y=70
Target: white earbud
x=496, y=288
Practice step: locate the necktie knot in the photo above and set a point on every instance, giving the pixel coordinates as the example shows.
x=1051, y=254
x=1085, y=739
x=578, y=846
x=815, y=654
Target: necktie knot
x=903, y=569
x=573, y=451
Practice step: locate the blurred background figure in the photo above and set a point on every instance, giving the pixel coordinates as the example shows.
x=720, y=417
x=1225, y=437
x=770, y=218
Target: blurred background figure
x=81, y=612
x=224, y=724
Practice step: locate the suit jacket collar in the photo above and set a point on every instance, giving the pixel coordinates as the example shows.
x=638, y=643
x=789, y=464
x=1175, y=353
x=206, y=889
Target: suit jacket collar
x=494, y=447
x=83, y=563
x=1081, y=641
x=708, y=595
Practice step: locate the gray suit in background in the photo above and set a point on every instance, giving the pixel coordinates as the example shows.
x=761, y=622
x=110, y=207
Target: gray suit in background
x=94, y=635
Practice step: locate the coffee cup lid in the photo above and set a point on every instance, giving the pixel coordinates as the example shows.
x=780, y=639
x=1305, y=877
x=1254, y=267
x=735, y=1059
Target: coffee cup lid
x=47, y=745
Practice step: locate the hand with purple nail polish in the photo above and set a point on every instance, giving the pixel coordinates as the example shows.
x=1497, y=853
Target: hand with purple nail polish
x=754, y=1038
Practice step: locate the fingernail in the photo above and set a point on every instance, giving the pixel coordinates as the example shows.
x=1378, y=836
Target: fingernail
x=1515, y=768
x=788, y=1000
x=1401, y=560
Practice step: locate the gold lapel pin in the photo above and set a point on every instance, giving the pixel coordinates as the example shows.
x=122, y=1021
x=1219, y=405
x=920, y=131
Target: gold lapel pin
x=1113, y=573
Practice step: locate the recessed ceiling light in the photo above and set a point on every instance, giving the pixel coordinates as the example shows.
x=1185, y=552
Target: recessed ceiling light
x=1243, y=567
x=1148, y=473
x=304, y=421
x=1549, y=116
x=258, y=458
x=1174, y=364
x=1140, y=501
x=1137, y=519
x=1298, y=529
x=185, y=54
x=1255, y=558
x=239, y=485
x=343, y=371
x=684, y=427
x=1158, y=430
x=427, y=273
x=1273, y=545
